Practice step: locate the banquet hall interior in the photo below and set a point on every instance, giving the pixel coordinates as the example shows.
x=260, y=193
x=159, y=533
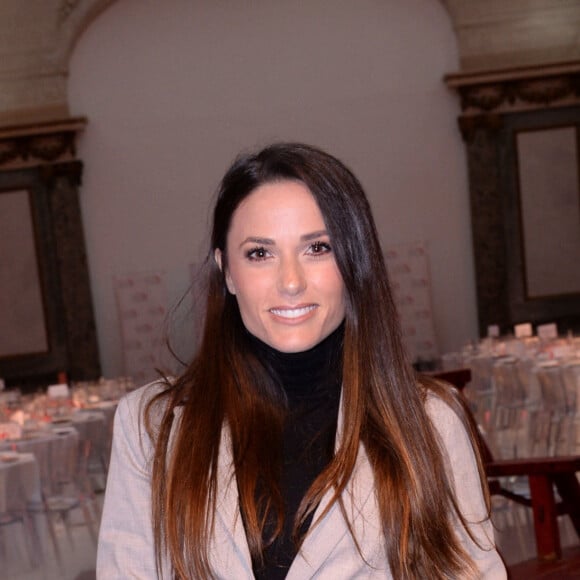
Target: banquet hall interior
x=117, y=120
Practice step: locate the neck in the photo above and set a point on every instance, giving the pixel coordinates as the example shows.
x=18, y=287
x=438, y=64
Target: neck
x=305, y=374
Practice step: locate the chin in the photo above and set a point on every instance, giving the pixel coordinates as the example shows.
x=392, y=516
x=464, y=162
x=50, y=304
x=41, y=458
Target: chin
x=293, y=345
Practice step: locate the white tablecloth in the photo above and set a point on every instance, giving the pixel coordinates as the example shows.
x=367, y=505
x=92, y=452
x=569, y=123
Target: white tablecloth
x=52, y=449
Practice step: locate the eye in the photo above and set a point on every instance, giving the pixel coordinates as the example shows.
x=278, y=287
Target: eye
x=319, y=248
x=256, y=254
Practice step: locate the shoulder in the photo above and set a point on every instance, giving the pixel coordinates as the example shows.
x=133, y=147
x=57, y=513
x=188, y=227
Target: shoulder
x=449, y=426
x=136, y=402
x=139, y=408
x=443, y=417
x=460, y=456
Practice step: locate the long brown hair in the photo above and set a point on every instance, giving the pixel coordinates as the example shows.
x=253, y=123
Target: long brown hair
x=383, y=402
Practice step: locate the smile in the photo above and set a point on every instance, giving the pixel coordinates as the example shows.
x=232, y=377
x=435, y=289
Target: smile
x=293, y=312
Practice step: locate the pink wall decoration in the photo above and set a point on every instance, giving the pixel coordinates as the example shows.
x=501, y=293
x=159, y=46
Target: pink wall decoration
x=142, y=310
x=408, y=268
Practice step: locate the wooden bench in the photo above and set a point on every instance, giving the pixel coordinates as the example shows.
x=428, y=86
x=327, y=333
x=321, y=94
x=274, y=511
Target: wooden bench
x=544, y=474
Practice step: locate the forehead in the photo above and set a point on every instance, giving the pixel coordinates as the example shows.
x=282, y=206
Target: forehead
x=277, y=206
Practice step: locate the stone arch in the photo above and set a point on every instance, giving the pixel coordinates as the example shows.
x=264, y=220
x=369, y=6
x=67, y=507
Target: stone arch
x=73, y=18
x=35, y=55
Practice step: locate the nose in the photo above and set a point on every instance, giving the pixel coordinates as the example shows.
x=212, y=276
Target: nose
x=291, y=278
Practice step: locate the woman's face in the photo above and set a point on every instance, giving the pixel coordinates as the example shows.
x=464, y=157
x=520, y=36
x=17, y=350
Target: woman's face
x=281, y=268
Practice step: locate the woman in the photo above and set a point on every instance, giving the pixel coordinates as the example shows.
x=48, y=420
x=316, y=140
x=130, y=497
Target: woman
x=298, y=443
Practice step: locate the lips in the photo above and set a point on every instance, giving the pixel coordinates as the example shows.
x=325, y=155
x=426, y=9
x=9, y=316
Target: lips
x=291, y=313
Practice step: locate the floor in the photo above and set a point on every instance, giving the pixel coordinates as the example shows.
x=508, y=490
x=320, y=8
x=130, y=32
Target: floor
x=568, y=567
x=514, y=532
x=514, y=535
x=78, y=558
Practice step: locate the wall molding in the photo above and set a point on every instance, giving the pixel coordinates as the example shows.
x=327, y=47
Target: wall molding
x=518, y=89
x=33, y=144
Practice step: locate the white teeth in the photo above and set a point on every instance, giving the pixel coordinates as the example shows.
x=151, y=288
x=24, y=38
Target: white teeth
x=292, y=312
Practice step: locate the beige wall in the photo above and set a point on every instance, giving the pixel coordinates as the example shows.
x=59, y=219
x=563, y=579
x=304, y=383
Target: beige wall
x=174, y=89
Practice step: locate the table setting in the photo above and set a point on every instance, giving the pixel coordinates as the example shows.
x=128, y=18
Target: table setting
x=524, y=390
x=54, y=453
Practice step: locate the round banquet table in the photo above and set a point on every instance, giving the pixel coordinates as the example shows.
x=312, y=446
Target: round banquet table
x=52, y=448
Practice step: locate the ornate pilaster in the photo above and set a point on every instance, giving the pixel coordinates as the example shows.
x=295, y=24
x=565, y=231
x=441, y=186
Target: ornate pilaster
x=62, y=182
x=487, y=219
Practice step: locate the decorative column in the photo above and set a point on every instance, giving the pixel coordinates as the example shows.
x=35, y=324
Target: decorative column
x=487, y=219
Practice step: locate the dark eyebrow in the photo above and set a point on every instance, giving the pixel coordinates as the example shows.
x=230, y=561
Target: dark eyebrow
x=271, y=242
x=255, y=240
x=313, y=235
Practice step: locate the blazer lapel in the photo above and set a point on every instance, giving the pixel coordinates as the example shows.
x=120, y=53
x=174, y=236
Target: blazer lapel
x=230, y=546
x=230, y=554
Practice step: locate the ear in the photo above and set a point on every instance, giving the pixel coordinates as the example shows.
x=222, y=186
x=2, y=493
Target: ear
x=217, y=255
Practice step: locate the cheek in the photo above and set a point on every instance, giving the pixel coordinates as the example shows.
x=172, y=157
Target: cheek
x=236, y=278
x=341, y=302
x=247, y=285
x=250, y=297
x=230, y=283
x=330, y=282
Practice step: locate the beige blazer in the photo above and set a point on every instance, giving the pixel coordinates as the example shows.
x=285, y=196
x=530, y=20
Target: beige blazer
x=126, y=542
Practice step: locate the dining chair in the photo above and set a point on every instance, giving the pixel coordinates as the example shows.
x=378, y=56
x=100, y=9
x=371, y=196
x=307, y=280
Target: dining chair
x=571, y=377
x=481, y=391
x=14, y=512
x=66, y=493
x=554, y=407
x=93, y=427
x=510, y=407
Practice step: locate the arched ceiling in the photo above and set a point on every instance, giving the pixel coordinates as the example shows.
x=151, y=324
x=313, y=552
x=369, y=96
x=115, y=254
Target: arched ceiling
x=497, y=34
x=36, y=40
x=38, y=36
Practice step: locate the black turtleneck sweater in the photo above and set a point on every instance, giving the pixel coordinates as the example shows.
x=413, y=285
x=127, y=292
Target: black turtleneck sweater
x=312, y=383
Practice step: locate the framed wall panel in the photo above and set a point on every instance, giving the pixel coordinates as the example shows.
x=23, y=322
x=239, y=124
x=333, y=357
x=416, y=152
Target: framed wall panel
x=22, y=308
x=549, y=194
x=46, y=307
